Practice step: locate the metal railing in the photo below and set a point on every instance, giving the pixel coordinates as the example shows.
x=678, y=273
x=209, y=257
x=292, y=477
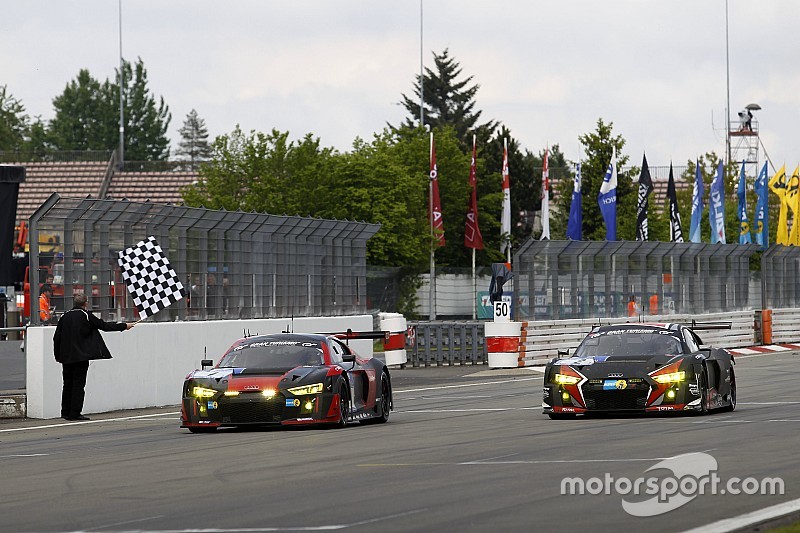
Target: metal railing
x=446, y=343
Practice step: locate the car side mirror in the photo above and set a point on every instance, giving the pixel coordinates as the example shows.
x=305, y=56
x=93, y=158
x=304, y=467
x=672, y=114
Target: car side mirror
x=206, y=363
x=349, y=358
x=563, y=353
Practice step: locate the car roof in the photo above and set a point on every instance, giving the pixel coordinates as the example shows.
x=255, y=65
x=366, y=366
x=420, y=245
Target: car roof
x=307, y=337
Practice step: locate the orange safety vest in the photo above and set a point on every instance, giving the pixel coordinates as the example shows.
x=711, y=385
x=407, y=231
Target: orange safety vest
x=44, y=308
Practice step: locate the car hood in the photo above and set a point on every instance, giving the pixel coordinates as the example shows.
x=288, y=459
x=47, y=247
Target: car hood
x=241, y=379
x=602, y=366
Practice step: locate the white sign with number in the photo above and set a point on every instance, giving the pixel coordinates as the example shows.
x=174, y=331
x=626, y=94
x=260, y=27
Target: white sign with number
x=502, y=311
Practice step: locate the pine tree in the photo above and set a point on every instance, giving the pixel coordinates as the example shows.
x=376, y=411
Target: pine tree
x=447, y=101
x=194, y=147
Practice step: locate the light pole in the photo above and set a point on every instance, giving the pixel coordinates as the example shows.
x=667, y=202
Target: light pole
x=121, y=89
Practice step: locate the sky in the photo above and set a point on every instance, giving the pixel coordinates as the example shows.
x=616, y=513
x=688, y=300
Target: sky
x=548, y=70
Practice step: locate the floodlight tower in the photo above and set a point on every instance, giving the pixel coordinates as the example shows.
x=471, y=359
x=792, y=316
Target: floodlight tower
x=743, y=139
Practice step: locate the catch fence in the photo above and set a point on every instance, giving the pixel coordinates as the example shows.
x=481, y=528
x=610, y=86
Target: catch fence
x=232, y=264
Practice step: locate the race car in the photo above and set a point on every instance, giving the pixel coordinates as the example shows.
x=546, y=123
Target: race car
x=288, y=379
x=640, y=368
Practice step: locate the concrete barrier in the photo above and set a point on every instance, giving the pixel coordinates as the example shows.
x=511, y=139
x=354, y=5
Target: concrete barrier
x=394, y=348
x=151, y=360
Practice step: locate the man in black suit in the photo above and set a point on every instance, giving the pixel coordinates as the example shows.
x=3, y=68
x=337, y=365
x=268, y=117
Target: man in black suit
x=76, y=342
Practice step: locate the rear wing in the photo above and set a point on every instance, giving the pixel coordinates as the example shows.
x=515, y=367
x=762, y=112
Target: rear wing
x=350, y=334
x=705, y=326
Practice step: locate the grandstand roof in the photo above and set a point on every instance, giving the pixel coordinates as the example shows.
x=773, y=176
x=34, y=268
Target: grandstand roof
x=79, y=179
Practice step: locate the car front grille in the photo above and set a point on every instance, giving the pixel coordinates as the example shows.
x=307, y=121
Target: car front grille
x=252, y=409
x=614, y=400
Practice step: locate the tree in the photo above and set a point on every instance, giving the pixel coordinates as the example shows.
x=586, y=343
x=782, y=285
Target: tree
x=87, y=116
x=597, y=147
x=447, y=101
x=194, y=146
x=14, y=122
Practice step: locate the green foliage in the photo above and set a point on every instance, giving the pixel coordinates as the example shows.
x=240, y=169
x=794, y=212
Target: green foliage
x=194, y=147
x=597, y=149
x=447, y=101
x=87, y=116
x=14, y=122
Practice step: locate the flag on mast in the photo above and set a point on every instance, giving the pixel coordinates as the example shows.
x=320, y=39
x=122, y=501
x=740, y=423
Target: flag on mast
x=505, y=220
x=793, y=199
x=545, y=197
x=472, y=232
x=437, y=225
x=607, y=198
x=744, y=224
x=762, y=207
x=675, y=229
x=697, y=205
x=575, y=223
x=778, y=186
x=716, y=207
x=645, y=188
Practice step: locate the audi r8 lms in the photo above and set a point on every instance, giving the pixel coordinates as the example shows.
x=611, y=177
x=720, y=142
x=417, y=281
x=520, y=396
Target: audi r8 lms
x=287, y=379
x=640, y=368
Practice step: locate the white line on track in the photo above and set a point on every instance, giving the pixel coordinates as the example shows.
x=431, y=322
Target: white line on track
x=478, y=410
x=748, y=519
x=331, y=527
x=24, y=455
x=99, y=421
x=162, y=416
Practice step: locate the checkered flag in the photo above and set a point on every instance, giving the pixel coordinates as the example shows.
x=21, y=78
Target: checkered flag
x=149, y=277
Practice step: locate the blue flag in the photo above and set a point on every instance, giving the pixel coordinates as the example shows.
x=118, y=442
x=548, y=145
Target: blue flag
x=716, y=207
x=697, y=205
x=607, y=199
x=575, y=223
x=744, y=224
x=762, y=208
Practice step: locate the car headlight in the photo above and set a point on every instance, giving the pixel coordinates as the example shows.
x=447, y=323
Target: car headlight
x=672, y=377
x=314, y=388
x=564, y=379
x=203, y=392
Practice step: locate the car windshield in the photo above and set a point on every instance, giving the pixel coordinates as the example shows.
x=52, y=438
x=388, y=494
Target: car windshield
x=273, y=355
x=629, y=342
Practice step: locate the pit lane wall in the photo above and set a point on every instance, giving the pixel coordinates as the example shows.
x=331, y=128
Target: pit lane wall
x=541, y=340
x=152, y=359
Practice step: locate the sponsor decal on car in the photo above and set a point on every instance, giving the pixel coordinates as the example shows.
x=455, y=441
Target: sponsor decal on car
x=619, y=384
x=292, y=402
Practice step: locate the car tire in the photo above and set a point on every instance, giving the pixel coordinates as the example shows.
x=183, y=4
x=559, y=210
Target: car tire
x=384, y=402
x=732, y=405
x=703, y=393
x=344, y=406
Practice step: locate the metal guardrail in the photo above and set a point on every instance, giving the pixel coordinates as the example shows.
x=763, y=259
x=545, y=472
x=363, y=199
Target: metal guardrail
x=446, y=343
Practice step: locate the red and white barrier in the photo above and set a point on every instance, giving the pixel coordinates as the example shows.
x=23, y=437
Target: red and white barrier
x=394, y=347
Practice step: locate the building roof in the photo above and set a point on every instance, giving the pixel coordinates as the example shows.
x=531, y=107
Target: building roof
x=79, y=179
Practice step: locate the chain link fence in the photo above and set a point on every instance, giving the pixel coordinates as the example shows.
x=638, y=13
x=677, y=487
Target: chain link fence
x=232, y=264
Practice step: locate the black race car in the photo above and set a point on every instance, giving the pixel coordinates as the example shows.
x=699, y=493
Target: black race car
x=289, y=379
x=640, y=368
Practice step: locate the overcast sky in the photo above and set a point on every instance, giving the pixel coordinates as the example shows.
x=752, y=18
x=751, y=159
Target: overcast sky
x=337, y=69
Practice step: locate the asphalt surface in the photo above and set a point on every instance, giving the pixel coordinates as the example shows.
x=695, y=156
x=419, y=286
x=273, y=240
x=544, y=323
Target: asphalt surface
x=12, y=366
x=467, y=449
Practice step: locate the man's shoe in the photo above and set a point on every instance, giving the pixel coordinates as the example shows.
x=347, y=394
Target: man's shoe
x=76, y=418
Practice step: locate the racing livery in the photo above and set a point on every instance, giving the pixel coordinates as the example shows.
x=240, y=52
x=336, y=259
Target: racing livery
x=640, y=368
x=287, y=378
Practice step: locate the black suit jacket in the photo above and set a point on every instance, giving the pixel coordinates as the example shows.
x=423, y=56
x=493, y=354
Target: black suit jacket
x=78, y=338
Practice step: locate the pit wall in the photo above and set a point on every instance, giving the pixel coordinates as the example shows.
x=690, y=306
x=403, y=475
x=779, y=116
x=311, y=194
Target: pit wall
x=151, y=360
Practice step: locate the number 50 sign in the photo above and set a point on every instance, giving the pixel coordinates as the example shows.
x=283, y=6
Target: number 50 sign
x=502, y=311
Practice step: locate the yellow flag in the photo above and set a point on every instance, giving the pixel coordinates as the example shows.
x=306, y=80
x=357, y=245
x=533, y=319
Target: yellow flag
x=794, y=204
x=778, y=185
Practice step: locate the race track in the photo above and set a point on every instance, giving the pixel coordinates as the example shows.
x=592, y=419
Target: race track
x=467, y=449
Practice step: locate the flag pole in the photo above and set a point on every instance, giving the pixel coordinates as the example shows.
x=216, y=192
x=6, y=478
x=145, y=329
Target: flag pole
x=474, y=287
x=432, y=283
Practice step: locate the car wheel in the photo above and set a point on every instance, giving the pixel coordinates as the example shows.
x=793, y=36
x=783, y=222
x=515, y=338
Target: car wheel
x=732, y=400
x=384, y=402
x=203, y=429
x=703, y=393
x=344, y=406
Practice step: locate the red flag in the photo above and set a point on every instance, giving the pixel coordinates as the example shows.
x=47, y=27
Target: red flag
x=472, y=233
x=437, y=227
